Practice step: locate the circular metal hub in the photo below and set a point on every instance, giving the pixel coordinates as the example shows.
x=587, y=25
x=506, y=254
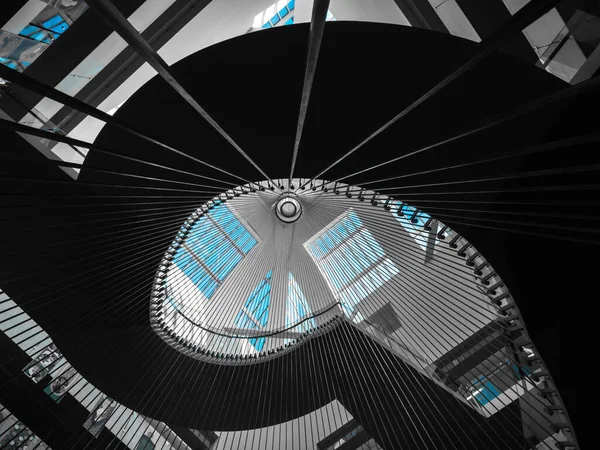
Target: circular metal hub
x=288, y=209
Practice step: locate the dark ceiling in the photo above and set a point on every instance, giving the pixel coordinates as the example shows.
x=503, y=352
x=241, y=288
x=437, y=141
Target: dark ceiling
x=80, y=256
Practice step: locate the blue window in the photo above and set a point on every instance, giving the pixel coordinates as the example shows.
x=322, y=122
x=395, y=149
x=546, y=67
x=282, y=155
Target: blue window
x=519, y=371
x=46, y=31
x=485, y=391
x=297, y=307
x=275, y=19
x=281, y=17
x=351, y=260
x=216, y=244
x=255, y=313
x=56, y=23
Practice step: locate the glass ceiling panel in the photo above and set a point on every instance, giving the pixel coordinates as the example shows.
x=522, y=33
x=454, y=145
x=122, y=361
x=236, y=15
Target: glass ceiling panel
x=297, y=307
x=255, y=313
x=351, y=260
x=214, y=247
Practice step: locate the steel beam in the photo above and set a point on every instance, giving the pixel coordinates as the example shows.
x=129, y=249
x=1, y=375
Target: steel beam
x=315, y=36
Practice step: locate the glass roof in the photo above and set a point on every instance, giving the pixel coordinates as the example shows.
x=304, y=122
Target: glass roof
x=297, y=307
x=255, y=312
x=352, y=261
x=214, y=247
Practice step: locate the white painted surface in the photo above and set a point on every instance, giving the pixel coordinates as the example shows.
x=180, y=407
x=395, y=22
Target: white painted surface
x=455, y=20
x=381, y=11
x=25, y=15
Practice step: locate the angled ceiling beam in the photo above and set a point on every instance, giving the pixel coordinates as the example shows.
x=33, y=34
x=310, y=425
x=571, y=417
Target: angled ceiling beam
x=315, y=36
x=43, y=89
x=44, y=134
x=524, y=17
x=118, y=22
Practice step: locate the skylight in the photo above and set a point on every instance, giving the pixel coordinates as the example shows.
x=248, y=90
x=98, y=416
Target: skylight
x=351, y=260
x=297, y=307
x=46, y=31
x=216, y=244
x=255, y=312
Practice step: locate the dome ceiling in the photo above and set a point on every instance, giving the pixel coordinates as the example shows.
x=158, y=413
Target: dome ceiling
x=94, y=296
x=240, y=278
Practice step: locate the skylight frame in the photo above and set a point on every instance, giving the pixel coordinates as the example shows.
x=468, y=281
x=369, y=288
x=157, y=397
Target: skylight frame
x=368, y=274
x=295, y=300
x=190, y=252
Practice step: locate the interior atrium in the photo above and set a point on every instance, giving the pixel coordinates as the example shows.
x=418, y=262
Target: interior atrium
x=303, y=224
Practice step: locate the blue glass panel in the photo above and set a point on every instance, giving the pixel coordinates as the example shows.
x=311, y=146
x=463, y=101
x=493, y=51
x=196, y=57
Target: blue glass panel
x=229, y=266
x=60, y=29
x=38, y=36
x=283, y=12
x=275, y=20
x=352, y=260
x=258, y=306
x=29, y=30
x=520, y=372
x=338, y=235
x=289, y=22
x=328, y=242
x=243, y=321
x=212, y=255
x=247, y=245
x=291, y=4
x=258, y=343
x=264, y=313
x=258, y=302
x=266, y=25
x=486, y=390
x=52, y=21
x=213, y=252
x=236, y=233
x=255, y=303
x=205, y=283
